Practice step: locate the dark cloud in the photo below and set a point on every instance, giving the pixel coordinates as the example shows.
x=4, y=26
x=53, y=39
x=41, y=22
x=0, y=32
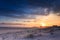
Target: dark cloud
x=54, y=4
x=11, y=8
x=41, y=3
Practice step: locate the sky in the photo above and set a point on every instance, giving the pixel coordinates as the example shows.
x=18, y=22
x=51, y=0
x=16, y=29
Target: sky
x=29, y=12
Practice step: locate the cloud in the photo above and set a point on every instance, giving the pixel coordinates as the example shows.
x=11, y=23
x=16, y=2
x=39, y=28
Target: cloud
x=54, y=4
x=12, y=8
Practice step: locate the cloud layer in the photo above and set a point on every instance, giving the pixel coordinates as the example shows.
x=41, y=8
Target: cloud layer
x=19, y=8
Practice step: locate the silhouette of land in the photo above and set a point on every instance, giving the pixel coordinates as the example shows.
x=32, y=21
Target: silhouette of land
x=49, y=27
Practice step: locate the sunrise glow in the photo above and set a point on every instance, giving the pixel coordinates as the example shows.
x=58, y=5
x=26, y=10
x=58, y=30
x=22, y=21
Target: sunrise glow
x=43, y=24
x=43, y=21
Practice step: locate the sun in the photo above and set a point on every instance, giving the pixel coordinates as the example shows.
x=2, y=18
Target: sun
x=43, y=24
